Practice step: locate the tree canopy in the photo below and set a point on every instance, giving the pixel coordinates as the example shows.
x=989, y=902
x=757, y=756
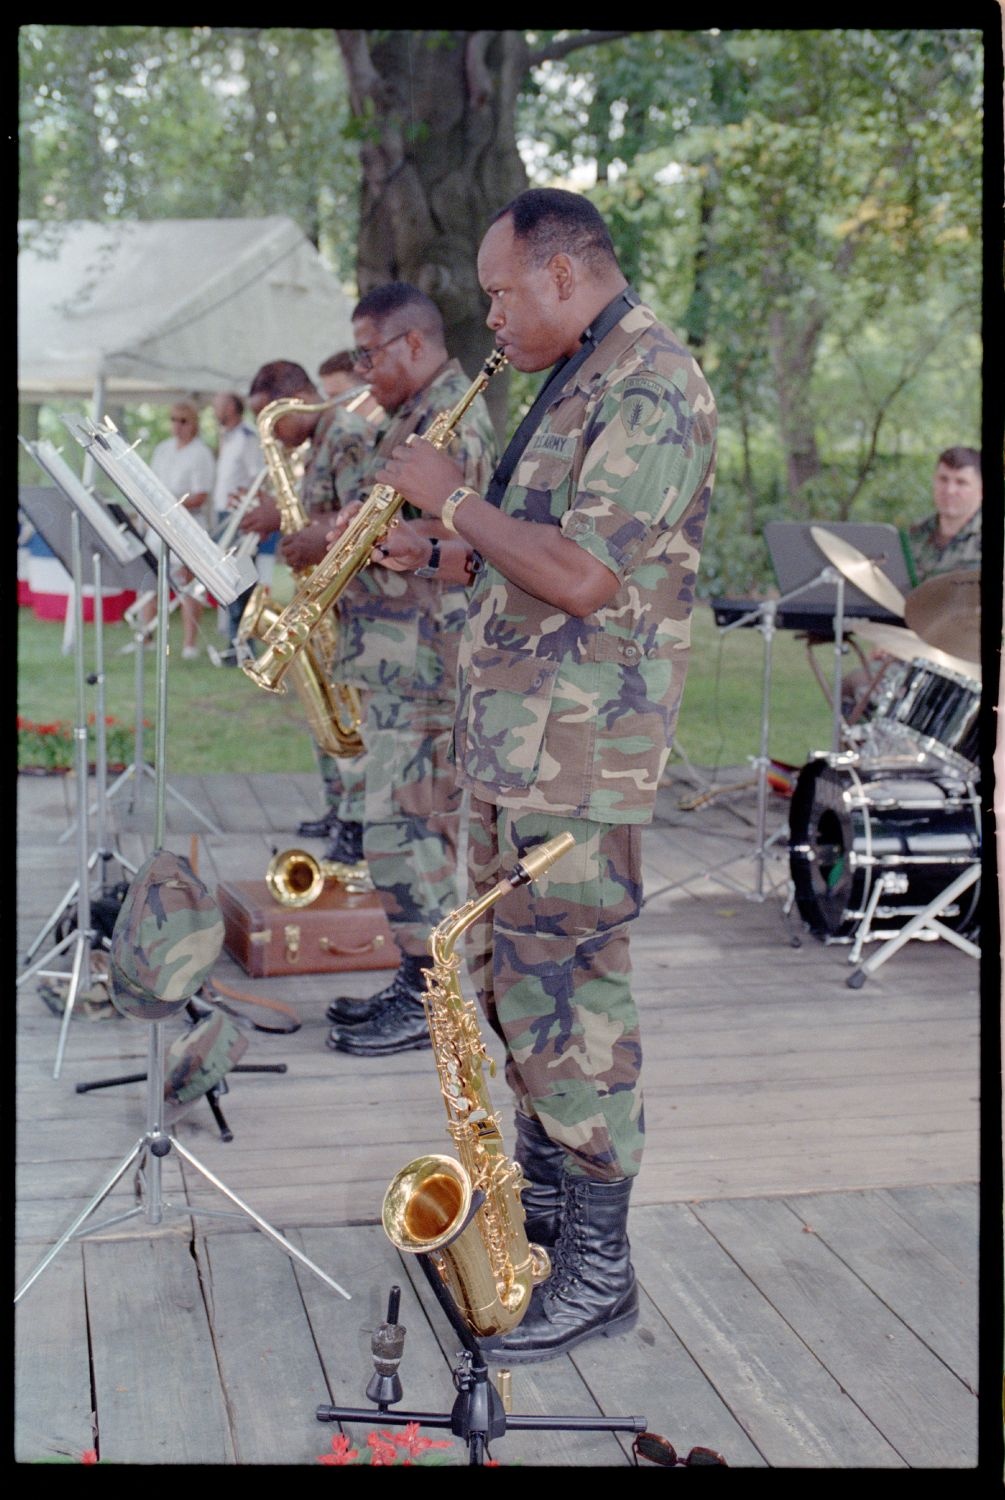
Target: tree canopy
x=803, y=206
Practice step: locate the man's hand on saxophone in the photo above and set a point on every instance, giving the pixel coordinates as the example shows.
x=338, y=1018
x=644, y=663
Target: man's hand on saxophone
x=408, y=546
x=305, y=549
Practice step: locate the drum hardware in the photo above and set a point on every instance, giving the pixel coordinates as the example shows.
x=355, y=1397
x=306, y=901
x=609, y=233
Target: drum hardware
x=873, y=843
x=945, y=611
x=763, y=615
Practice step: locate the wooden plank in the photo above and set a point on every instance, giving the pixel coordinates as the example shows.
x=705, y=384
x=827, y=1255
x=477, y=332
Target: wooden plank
x=935, y=1296
x=265, y=1350
x=947, y=1217
x=157, y=1388
x=648, y=1372
x=925, y=1413
x=791, y=1407
x=52, y=1394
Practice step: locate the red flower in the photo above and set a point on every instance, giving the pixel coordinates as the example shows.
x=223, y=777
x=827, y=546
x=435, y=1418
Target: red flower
x=89, y=1456
x=382, y=1449
x=413, y=1442
x=341, y=1452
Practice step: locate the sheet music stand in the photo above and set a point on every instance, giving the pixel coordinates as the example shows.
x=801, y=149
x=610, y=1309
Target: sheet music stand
x=157, y=1141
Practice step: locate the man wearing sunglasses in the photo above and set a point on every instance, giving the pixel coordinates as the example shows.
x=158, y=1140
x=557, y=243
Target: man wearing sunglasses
x=398, y=639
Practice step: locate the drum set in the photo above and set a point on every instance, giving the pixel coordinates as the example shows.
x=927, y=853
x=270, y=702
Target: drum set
x=885, y=834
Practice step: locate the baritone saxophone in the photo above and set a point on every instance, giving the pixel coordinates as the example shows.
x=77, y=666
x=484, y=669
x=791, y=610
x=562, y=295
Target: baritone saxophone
x=466, y=1215
x=304, y=616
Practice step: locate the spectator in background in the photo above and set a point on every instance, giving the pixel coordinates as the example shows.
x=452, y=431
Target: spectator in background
x=238, y=463
x=186, y=466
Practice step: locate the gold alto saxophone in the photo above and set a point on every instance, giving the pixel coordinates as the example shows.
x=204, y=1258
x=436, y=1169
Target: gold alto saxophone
x=304, y=616
x=467, y=1215
x=334, y=712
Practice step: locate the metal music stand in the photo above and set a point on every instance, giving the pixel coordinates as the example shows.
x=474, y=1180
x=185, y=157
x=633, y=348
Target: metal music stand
x=478, y=1414
x=157, y=1141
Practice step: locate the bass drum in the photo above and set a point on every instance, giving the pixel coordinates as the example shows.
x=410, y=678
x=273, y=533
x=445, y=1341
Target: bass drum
x=850, y=824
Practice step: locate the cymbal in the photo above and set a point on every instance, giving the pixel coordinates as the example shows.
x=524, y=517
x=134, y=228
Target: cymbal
x=859, y=570
x=908, y=646
x=945, y=610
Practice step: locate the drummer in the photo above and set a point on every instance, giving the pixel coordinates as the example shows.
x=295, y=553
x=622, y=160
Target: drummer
x=951, y=538
x=948, y=540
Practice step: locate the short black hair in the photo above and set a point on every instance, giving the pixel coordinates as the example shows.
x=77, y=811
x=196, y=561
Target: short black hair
x=549, y=220
x=960, y=458
x=279, y=378
x=394, y=297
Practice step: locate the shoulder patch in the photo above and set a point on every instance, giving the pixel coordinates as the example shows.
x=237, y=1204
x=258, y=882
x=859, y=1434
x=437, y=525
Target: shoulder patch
x=639, y=401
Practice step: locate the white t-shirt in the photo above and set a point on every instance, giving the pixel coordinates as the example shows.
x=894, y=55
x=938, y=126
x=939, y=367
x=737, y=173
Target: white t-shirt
x=238, y=464
x=185, y=470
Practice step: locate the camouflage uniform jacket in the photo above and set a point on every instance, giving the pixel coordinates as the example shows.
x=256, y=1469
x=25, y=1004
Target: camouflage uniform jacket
x=335, y=469
x=575, y=716
x=961, y=551
x=399, y=633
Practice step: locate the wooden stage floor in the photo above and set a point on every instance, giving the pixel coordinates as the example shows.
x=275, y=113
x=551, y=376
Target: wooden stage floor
x=804, y=1229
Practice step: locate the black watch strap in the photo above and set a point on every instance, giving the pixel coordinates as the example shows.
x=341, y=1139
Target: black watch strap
x=431, y=569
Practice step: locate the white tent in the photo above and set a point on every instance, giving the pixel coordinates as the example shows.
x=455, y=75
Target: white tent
x=131, y=310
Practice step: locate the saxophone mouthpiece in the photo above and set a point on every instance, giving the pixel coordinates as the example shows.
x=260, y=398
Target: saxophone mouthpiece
x=541, y=858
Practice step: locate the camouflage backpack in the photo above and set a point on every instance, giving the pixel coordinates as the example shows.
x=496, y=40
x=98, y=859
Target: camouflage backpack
x=197, y=1061
x=166, y=939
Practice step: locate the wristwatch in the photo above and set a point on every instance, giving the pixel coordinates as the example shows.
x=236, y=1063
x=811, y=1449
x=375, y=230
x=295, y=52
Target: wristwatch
x=431, y=569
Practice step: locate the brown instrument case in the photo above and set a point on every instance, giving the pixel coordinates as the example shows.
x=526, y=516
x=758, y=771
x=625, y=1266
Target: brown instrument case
x=340, y=930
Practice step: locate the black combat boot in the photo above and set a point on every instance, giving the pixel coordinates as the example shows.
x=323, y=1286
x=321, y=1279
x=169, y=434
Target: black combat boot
x=592, y=1287
x=407, y=982
x=400, y=1027
x=319, y=828
x=346, y=847
x=543, y=1164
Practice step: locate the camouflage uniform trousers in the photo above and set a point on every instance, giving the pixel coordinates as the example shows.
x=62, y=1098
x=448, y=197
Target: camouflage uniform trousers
x=404, y=792
x=551, y=967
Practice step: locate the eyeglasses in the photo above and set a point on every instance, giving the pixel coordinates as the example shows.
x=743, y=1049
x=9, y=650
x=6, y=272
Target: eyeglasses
x=659, y=1451
x=364, y=357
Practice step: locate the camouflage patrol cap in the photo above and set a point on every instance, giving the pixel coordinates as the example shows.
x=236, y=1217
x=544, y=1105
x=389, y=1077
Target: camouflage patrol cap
x=201, y=1058
x=167, y=937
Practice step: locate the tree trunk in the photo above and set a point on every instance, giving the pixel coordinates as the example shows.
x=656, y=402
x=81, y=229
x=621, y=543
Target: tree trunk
x=437, y=119
x=793, y=354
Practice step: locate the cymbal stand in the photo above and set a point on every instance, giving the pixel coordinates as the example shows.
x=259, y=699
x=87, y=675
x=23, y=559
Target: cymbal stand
x=78, y=941
x=478, y=1415
x=764, y=615
x=148, y=1153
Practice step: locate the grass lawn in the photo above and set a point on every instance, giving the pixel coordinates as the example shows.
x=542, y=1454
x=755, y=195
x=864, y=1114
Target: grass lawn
x=219, y=721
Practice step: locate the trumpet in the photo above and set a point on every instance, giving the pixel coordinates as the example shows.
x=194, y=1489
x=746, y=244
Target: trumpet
x=304, y=615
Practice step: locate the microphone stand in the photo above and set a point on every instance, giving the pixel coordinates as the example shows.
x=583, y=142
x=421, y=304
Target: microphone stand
x=157, y=1142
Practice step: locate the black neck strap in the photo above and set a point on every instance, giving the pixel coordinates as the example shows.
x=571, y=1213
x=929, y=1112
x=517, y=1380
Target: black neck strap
x=558, y=379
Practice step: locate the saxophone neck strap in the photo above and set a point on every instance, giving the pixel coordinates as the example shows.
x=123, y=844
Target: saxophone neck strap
x=560, y=376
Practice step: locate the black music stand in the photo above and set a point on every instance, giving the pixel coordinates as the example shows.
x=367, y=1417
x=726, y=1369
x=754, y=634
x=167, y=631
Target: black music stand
x=478, y=1414
x=157, y=1141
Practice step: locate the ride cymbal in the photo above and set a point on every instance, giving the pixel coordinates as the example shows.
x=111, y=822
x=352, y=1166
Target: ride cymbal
x=945, y=610
x=859, y=570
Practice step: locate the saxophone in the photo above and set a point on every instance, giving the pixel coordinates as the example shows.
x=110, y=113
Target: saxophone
x=305, y=615
x=333, y=710
x=467, y=1216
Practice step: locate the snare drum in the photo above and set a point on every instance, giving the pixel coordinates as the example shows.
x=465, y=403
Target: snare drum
x=849, y=824
x=936, y=710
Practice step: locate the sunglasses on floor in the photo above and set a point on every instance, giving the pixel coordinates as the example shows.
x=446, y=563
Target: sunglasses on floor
x=658, y=1450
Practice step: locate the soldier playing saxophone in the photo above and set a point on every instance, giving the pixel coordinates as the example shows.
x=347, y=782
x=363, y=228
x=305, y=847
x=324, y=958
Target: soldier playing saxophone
x=398, y=639
x=339, y=442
